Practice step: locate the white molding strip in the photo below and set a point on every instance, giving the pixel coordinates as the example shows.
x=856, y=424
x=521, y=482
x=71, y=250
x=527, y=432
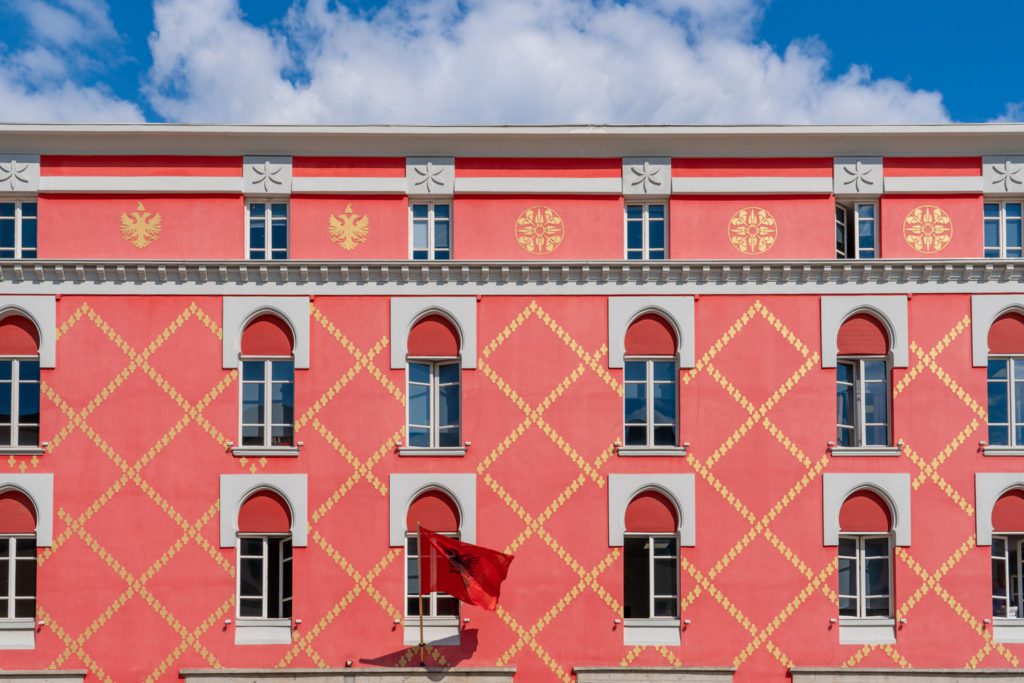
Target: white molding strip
x=235, y=489
x=933, y=184
x=347, y=185
x=552, y=185
x=752, y=185
x=142, y=184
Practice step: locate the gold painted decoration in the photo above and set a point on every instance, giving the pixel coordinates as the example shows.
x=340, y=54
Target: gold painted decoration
x=349, y=229
x=928, y=229
x=140, y=227
x=539, y=230
x=752, y=230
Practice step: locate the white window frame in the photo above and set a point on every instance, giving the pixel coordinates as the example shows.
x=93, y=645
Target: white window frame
x=268, y=404
x=15, y=400
x=1008, y=541
x=645, y=250
x=850, y=213
x=1002, y=227
x=435, y=399
x=18, y=224
x=860, y=566
x=649, y=383
x=266, y=539
x=431, y=246
x=1011, y=398
x=429, y=599
x=859, y=407
x=11, y=541
x=268, y=229
x=652, y=596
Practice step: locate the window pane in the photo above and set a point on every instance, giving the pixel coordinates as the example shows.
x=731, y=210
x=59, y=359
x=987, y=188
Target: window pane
x=634, y=235
x=441, y=234
x=998, y=436
x=28, y=435
x=281, y=435
x=847, y=607
x=419, y=235
x=252, y=436
x=636, y=436
x=876, y=402
x=876, y=607
x=252, y=371
x=250, y=607
x=847, y=546
x=664, y=402
x=282, y=371
x=635, y=371
x=28, y=403
x=449, y=373
x=635, y=403
x=24, y=609
x=844, y=404
x=656, y=238
x=26, y=547
x=251, y=546
x=997, y=368
x=419, y=372
x=991, y=210
x=25, y=578
x=874, y=369
x=5, y=403
x=419, y=437
x=847, y=576
x=665, y=547
x=274, y=580
x=666, y=575
x=5, y=369
x=28, y=370
x=633, y=212
x=876, y=575
x=448, y=437
x=665, y=435
x=997, y=401
x=448, y=405
x=664, y=370
x=419, y=404
x=656, y=211
x=447, y=606
x=442, y=211
x=876, y=547
x=665, y=607
x=250, y=577
x=636, y=579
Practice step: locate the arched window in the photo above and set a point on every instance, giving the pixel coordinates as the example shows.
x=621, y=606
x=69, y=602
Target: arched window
x=863, y=383
x=651, y=558
x=651, y=374
x=865, y=552
x=1008, y=555
x=436, y=511
x=264, y=557
x=434, y=376
x=268, y=384
x=17, y=556
x=19, y=382
x=1006, y=381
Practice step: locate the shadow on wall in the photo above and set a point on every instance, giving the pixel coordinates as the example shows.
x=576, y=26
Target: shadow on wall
x=469, y=639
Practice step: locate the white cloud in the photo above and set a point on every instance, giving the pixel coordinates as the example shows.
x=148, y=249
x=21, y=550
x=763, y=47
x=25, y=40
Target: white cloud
x=491, y=61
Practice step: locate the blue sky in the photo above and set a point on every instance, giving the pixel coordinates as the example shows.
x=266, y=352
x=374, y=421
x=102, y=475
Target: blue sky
x=508, y=61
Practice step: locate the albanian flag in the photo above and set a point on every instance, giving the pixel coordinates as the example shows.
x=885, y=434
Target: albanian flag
x=468, y=572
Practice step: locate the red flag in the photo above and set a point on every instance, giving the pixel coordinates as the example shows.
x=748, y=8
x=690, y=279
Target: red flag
x=468, y=572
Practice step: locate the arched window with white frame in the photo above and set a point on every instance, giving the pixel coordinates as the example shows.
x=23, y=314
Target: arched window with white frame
x=651, y=379
x=434, y=379
x=264, y=560
x=1005, y=379
x=865, y=556
x=267, y=366
x=1008, y=557
x=863, y=383
x=651, y=558
x=19, y=382
x=17, y=557
x=434, y=510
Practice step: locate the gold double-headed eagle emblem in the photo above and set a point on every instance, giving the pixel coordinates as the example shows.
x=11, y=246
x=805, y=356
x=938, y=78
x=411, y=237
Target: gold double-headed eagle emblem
x=348, y=230
x=140, y=227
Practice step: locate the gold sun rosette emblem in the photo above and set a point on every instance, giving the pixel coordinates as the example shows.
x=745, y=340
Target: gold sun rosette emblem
x=539, y=230
x=928, y=229
x=140, y=227
x=348, y=230
x=752, y=230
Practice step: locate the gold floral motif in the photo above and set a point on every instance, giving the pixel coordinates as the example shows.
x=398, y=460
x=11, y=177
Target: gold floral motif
x=349, y=230
x=539, y=230
x=140, y=227
x=752, y=230
x=928, y=229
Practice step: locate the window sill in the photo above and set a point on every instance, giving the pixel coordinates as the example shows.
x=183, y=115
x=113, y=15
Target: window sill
x=420, y=452
x=22, y=450
x=650, y=632
x=436, y=631
x=867, y=631
x=1003, y=450
x=263, y=632
x=869, y=451
x=265, y=451
x=651, y=451
x=1008, y=630
x=17, y=634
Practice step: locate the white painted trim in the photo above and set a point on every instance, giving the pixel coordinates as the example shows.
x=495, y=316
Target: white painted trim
x=678, y=310
x=679, y=488
x=865, y=451
x=658, y=632
x=437, y=631
x=405, y=488
x=988, y=487
x=985, y=310
x=1007, y=630
x=406, y=311
x=651, y=451
x=39, y=489
x=142, y=184
x=250, y=631
x=646, y=178
x=1003, y=451
x=893, y=488
x=348, y=185
x=859, y=177
x=42, y=311
x=535, y=185
x=236, y=488
x=866, y=631
x=429, y=176
x=17, y=634
x=933, y=184
x=752, y=185
x=239, y=311
x=890, y=310
x=1002, y=175
x=425, y=452
x=21, y=172
x=266, y=176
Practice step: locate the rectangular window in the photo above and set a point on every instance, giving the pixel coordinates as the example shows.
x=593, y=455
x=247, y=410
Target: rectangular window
x=268, y=230
x=434, y=398
x=1006, y=401
x=268, y=402
x=18, y=222
x=434, y=604
x=431, y=231
x=1007, y=556
x=19, y=402
x=862, y=402
x=650, y=417
x=265, y=577
x=864, y=576
x=857, y=230
x=17, y=577
x=646, y=231
x=651, y=577
x=1003, y=229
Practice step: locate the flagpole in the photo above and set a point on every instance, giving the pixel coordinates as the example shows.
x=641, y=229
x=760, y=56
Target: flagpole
x=419, y=543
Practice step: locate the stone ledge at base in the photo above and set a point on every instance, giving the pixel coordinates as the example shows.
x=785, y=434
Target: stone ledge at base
x=830, y=675
x=652, y=674
x=43, y=676
x=349, y=675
